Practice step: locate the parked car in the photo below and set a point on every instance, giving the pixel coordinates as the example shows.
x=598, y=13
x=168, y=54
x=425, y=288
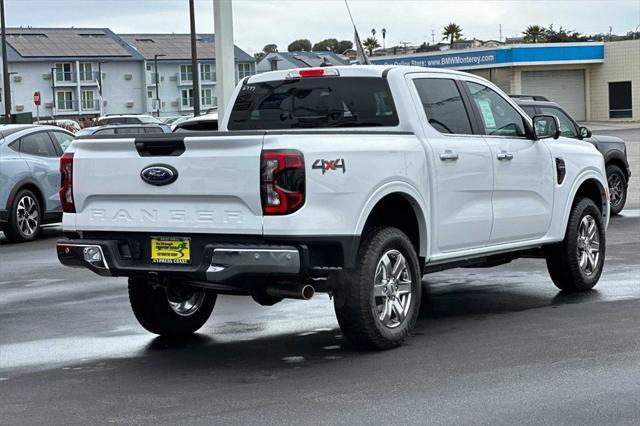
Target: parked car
x=128, y=119
x=612, y=148
x=70, y=125
x=172, y=119
x=207, y=122
x=180, y=120
x=30, y=178
x=354, y=181
x=126, y=129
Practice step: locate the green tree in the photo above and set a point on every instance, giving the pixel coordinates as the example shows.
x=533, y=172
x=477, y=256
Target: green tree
x=452, y=32
x=330, y=44
x=370, y=44
x=534, y=34
x=343, y=46
x=298, y=45
x=270, y=48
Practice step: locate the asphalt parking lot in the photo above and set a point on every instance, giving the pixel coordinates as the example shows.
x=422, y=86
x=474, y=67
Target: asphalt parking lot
x=498, y=346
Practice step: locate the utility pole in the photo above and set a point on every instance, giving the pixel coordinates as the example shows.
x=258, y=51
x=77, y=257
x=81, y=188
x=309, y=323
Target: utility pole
x=225, y=56
x=5, y=69
x=155, y=64
x=433, y=37
x=500, y=33
x=195, y=70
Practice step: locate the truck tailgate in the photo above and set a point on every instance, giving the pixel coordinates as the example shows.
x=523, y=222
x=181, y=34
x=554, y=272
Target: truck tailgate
x=217, y=189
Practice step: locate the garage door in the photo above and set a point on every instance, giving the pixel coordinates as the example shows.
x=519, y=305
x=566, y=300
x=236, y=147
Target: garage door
x=564, y=87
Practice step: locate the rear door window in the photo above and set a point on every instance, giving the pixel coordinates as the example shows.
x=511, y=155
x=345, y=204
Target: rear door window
x=443, y=105
x=153, y=130
x=314, y=102
x=38, y=144
x=129, y=130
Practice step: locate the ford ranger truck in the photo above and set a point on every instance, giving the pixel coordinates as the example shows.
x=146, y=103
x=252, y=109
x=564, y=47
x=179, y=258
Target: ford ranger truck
x=353, y=181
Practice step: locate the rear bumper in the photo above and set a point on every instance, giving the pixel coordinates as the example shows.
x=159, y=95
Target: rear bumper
x=218, y=263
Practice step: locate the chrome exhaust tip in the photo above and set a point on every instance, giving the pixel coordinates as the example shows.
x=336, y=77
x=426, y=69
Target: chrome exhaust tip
x=301, y=291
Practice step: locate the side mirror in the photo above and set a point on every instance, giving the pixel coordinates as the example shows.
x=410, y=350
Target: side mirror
x=546, y=126
x=585, y=132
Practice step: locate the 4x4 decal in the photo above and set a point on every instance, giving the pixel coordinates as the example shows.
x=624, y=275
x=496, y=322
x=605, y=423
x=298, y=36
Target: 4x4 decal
x=329, y=165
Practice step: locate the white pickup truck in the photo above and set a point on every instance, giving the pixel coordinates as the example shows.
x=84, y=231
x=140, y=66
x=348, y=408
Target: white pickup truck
x=354, y=181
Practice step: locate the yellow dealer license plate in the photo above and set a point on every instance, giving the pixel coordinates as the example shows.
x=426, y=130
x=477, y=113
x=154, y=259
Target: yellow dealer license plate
x=172, y=250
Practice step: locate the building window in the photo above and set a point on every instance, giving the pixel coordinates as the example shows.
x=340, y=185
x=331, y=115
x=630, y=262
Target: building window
x=150, y=94
x=206, y=98
x=245, y=70
x=88, y=102
x=620, y=104
x=63, y=72
x=86, y=71
x=205, y=72
x=149, y=67
x=65, y=100
x=185, y=73
x=187, y=98
x=274, y=64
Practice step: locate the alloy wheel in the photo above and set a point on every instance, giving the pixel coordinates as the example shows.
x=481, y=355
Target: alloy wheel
x=616, y=189
x=27, y=216
x=188, y=306
x=588, y=245
x=392, y=289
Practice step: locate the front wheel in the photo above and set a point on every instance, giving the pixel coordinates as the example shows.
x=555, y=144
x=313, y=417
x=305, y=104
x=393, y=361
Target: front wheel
x=576, y=263
x=171, y=312
x=377, y=303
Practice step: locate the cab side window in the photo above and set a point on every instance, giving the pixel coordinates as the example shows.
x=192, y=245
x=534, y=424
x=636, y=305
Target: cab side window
x=497, y=115
x=38, y=144
x=443, y=105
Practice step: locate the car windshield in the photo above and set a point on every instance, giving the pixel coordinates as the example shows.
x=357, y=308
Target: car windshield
x=319, y=102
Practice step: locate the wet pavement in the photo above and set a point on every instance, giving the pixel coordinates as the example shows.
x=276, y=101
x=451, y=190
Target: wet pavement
x=498, y=346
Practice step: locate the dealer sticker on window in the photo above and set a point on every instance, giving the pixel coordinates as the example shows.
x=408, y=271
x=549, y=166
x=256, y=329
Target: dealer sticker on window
x=171, y=250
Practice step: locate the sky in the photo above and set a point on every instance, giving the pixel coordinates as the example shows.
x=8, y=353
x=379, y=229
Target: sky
x=259, y=22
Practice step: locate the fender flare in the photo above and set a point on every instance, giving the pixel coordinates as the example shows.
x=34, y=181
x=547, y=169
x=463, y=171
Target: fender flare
x=415, y=199
x=19, y=185
x=582, y=178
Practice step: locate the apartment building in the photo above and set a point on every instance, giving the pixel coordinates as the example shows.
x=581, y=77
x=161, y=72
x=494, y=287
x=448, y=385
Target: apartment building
x=79, y=72
x=171, y=53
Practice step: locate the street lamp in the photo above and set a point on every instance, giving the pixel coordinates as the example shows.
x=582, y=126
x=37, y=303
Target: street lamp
x=155, y=64
x=384, y=36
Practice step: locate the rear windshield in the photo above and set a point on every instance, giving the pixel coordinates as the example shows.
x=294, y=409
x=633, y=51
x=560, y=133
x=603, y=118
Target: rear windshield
x=312, y=103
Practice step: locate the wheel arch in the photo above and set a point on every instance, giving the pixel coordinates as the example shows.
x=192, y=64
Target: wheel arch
x=589, y=185
x=618, y=160
x=408, y=213
x=33, y=186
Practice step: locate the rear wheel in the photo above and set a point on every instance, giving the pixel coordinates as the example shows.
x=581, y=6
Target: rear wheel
x=377, y=303
x=576, y=263
x=25, y=218
x=172, y=312
x=617, y=188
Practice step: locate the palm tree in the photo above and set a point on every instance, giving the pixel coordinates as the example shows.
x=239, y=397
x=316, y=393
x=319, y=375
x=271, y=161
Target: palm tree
x=452, y=32
x=371, y=43
x=534, y=34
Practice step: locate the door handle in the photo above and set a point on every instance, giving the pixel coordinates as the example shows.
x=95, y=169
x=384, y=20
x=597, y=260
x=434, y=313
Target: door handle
x=449, y=155
x=505, y=156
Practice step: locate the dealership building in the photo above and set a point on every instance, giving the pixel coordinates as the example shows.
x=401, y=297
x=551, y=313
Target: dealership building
x=593, y=81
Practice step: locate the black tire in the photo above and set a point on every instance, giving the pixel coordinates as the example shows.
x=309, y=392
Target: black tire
x=563, y=259
x=23, y=225
x=154, y=312
x=356, y=307
x=617, y=188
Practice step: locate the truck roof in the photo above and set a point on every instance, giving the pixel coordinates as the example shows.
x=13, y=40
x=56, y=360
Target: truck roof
x=353, y=71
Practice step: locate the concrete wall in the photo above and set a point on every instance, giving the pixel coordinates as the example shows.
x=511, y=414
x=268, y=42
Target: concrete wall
x=622, y=63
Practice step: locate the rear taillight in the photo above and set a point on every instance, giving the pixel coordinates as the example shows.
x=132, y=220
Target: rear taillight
x=282, y=183
x=66, y=183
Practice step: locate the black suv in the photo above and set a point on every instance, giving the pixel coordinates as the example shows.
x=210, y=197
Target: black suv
x=613, y=149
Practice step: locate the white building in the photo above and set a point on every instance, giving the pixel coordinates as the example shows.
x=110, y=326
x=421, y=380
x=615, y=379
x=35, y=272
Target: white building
x=175, y=82
x=79, y=72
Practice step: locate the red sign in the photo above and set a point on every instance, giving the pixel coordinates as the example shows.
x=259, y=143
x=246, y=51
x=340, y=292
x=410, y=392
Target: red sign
x=36, y=98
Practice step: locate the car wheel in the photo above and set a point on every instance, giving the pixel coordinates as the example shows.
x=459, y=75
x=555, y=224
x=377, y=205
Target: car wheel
x=617, y=188
x=25, y=218
x=172, y=312
x=377, y=303
x=576, y=263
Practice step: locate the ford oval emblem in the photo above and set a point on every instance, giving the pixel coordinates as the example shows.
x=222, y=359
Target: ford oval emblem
x=159, y=174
